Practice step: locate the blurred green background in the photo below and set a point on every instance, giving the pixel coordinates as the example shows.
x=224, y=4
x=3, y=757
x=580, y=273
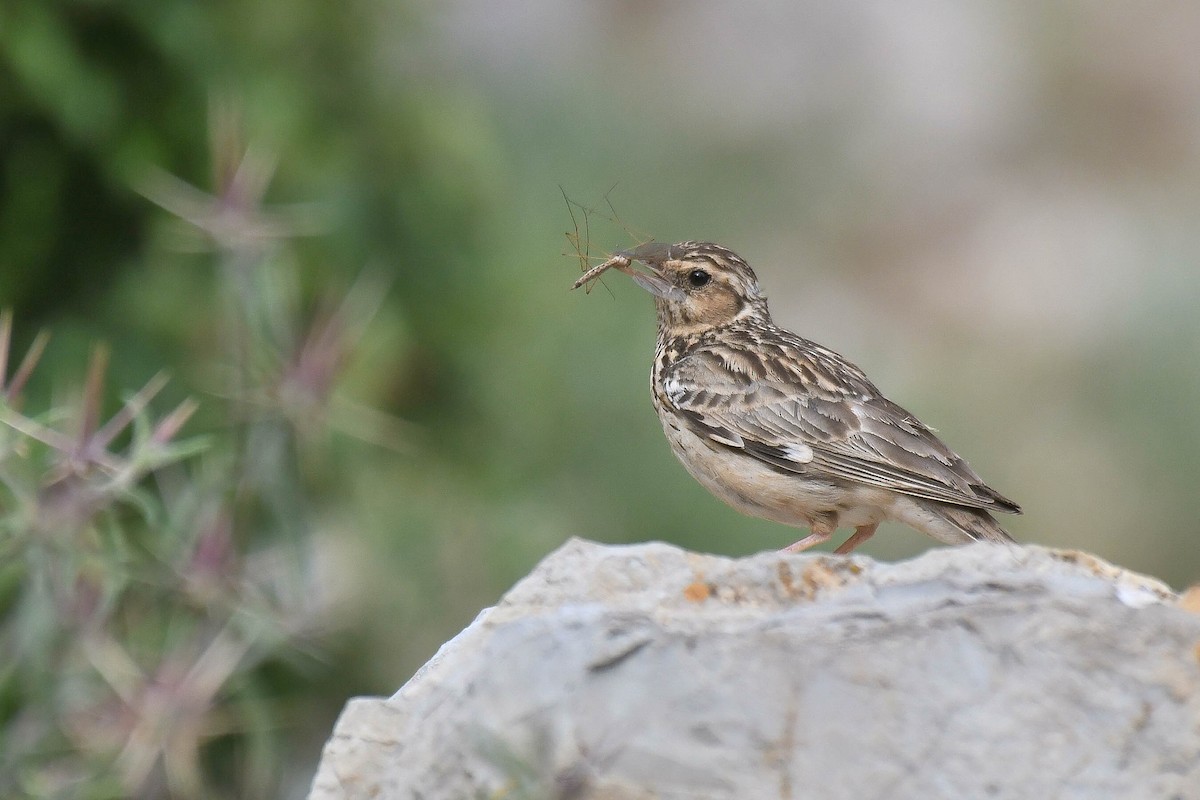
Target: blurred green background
x=992, y=208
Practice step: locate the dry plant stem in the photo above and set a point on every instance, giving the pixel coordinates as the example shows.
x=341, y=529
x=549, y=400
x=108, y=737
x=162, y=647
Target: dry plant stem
x=12, y=389
x=5, y=339
x=132, y=408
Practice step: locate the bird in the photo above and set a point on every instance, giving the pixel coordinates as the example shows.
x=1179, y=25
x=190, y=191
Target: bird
x=783, y=428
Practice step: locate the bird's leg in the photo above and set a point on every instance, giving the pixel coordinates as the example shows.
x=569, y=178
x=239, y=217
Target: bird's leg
x=860, y=535
x=818, y=536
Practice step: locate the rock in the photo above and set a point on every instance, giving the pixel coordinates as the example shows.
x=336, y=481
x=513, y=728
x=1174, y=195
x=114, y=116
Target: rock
x=649, y=672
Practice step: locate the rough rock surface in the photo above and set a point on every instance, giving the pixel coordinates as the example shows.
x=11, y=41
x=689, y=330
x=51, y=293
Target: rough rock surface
x=650, y=672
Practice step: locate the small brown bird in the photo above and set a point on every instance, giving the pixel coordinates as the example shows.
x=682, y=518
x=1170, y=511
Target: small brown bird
x=782, y=428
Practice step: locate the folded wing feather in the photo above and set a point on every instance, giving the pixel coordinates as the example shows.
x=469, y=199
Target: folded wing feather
x=849, y=432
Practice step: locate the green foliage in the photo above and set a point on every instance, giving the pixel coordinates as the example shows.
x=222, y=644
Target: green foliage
x=153, y=583
x=173, y=629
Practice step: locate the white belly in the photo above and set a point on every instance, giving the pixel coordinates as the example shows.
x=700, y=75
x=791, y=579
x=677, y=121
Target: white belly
x=755, y=488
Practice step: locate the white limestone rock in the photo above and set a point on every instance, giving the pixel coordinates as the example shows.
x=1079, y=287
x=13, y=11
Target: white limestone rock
x=647, y=671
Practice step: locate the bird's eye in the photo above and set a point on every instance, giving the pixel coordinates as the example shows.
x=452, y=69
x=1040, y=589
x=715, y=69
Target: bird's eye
x=698, y=278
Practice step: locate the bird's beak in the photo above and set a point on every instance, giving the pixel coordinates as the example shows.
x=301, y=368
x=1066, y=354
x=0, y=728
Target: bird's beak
x=653, y=283
x=652, y=255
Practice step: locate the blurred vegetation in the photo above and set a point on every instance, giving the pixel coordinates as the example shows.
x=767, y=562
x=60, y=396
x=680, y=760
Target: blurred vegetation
x=177, y=615
x=339, y=228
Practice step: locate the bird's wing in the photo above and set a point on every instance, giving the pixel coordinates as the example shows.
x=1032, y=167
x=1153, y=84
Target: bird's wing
x=808, y=410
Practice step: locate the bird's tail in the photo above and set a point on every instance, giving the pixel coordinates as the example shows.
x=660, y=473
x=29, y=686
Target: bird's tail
x=959, y=524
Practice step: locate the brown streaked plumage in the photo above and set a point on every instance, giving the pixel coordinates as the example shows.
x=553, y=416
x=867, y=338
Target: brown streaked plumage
x=782, y=428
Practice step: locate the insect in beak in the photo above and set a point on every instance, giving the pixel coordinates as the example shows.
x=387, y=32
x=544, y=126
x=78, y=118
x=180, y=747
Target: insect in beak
x=650, y=254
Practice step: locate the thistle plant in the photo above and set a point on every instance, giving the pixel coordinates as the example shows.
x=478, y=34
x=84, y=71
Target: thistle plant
x=150, y=573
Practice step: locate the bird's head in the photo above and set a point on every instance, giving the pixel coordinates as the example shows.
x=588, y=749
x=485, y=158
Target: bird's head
x=696, y=285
